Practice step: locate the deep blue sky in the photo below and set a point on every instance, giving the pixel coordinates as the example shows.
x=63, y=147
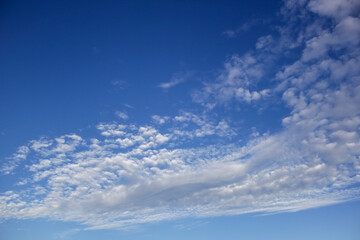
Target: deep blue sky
x=61, y=53
x=179, y=119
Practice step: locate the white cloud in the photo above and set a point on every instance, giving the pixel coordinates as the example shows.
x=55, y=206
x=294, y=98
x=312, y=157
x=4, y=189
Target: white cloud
x=193, y=125
x=128, y=105
x=39, y=144
x=106, y=188
x=335, y=8
x=121, y=115
x=19, y=156
x=175, y=80
x=264, y=42
x=172, y=83
x=235, y=83
x=111, y=129
x=247, y=96
x=160, y=119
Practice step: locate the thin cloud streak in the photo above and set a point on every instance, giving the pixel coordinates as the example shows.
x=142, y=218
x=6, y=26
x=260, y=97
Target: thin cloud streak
x=176, y=79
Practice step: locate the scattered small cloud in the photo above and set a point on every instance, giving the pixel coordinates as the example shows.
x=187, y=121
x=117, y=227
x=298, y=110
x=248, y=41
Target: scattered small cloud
x=175, y=80
x=172, y=83
x=160, y=119
x=128, y=105
x=121, y=115
x=13, y=162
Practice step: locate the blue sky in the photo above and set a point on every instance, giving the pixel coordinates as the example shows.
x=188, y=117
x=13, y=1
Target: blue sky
x=180, y=119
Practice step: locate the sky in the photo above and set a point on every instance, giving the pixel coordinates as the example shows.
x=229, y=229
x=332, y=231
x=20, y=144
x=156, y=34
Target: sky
x=180, y=119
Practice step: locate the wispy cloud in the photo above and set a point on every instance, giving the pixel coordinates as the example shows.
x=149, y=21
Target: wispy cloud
x=175, y=80
x=15, y=160
x=232, y=33
x=128, y=105
x=172, y=83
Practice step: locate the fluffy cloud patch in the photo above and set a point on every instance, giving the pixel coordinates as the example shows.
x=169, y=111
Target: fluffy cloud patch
x=236, y=83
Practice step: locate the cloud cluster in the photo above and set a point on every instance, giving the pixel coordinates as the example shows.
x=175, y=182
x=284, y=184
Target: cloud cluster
x=236, y=83
x=15, y=160
x=133, y=174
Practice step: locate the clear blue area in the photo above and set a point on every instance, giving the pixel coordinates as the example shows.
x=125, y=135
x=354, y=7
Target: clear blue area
x=331, y=223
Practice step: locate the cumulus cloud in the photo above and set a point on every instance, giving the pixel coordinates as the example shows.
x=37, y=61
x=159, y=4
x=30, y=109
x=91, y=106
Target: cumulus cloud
x=130, y=174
